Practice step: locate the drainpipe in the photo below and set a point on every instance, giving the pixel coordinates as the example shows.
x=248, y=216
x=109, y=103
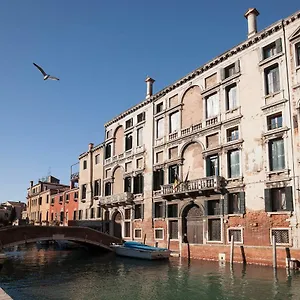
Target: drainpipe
x=291, y=122
x=91, y=145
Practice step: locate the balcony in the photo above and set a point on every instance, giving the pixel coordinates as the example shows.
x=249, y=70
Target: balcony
x=75, y=176
x=119, y=199
x=193, y=187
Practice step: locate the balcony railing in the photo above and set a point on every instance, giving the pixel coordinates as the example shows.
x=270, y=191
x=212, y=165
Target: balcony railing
x=75, y=176
x=193, y=186
x=117, y=199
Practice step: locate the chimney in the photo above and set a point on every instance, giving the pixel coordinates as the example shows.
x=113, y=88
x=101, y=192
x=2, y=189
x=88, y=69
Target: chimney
x=91, y=146
x=31, y=183
x=149, y=82
x=251, y=15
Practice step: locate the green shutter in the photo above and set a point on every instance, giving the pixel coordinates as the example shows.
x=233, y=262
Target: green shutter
x=268, y=203
x=278, y=45
x=164, y=209
x=206, y=208
x=289, y=198
x=153, y=210
x=142, y=211
x=221, y=207
x=226, y=196
x=242, y=202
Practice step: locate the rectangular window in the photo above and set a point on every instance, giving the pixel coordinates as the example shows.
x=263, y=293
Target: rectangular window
x=92, y=213
x=60, y=199
x=139, y=163
x=174, y=122
x=127, y=184
x=140, y=117
x=86, y=214
x=47, y=199
x=212, y=140
x=83, y=191
x=236, y=233
x=214, y=229
x=233, y=203
x=159, y=107
x=84, y=164
x=128, y=166
x=160, y=128
x=213, y=207
x=232, y=134
x=159, y=209
x=231, y=97
x=109, y=134
x=212, y=106
x=297, y=54
x=173, y=173
x=127, y=213
x=173, y=152
x=129, y=123
x=107, y=189
x=282, y=236
x=67, y=197
x=75, y=196
x=158, y=179
x=74, y=215
x=159, y=234
x=276, y=154
x=61, y=218
x=233, y=163
x=272, y=49
x=138, y=211
x=107, y=151
x=139, y=137
x=80, y=214
x=97, y=187
x=274, y=121
x=212, y=165
x=279, y=199
x=229, y=71
x=138, y=184
x=173, y=229
x=137, y=233
x=98, y=212
x=272, y=79
x=128, y=142
x=97, y=159
x=159, y=157
x=126, y=229
x=173, y=211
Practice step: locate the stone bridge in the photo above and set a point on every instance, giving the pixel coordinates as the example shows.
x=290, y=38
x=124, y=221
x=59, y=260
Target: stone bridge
x=15, y=235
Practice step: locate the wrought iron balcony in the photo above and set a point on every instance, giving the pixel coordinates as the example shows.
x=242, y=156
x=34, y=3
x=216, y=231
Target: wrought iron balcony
x=196, y=186
x=75, y=176
x=119, y=199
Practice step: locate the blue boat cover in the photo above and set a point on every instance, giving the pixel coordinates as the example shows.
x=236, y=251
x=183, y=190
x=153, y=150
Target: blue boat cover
x=132, y=244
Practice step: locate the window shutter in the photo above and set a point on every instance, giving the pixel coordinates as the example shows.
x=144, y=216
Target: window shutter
x=164, y=209
x=237, y=66
x=206, y=208
x=242, y=202
x=142, y=211
x=221, y=207
x=222, y=74
x=153, y=210
x=289, y=198
x=278, y=45
x=268, y=203
x=226, y=196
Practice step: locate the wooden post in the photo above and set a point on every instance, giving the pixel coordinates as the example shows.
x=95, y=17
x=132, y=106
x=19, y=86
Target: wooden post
x=288, y=258
x=243, y=255
x=274, y=252
x=145, y=238
x=168, y=242
x=231, y=250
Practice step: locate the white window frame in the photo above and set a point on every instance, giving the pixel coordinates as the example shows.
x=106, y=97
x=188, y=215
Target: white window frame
x=230, y=129
x=158, y=134
x=176, y=120
x=226, y=89
x=272, y=114
x=242, y=235
x=123, y=228
x=135, y=230
x=281, y=228
x=285, y=154
x=227, y=165
x=163, y=234
x=139, y=141
x=215, y=113
x=222, y=230
x=266, y=82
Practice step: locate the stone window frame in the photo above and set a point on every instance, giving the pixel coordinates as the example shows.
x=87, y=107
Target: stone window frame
x=222, y=230
x=163, y=234
x=235, y=228
x=138, y=229
x=281, y=228
x=240, y=162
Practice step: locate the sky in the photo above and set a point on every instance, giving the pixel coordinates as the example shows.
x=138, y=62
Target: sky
x=102, y=52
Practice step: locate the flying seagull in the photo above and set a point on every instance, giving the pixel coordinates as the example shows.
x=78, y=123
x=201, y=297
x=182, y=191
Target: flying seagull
x=46, y=76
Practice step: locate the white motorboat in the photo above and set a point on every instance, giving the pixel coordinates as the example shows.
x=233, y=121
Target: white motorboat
x=139, y=250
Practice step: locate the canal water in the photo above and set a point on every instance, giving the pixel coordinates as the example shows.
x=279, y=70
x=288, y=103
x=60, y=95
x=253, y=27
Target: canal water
x=32, y=273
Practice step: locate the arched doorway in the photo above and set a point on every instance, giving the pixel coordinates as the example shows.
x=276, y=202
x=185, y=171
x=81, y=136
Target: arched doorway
x=192, y=226
x=117, y=224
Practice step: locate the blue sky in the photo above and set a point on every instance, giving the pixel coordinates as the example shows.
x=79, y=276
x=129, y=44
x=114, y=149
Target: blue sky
x=102, y=51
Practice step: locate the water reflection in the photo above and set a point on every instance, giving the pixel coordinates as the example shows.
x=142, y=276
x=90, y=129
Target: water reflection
x=31, y=273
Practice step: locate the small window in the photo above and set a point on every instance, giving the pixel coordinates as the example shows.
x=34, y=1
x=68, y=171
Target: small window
x=236, y=233
x=129, y=123
x=272, y=79
x=159, y=234
x=67, y=197
x=128, y=142
x=140, y=117
x=274, y=121
x=214, y=229
x=272, y=49
x=279, y=199
x=84, y=165
x=173, y=152
x=126, y=229
x=107, y=189
x=160, y=128
x=297, y=54
x=159, y=157
x=60, y=198
x=213, y=207
x=139, y=137
x=282, y=236
x=231, y=97
x=159, y=107
x=232, y=134
x=97, y=159
x=92, y=213
x=80, y=214
x=75, y=195
x=234, y=203
x=212, y=165
x=107, y=151
x=138, y=211
x=173, y=211
x=109, y=134
x=233, y=163
x=139, y=163
x=229, y=71
x=138, y=233
x=47, y=199
x=128, y=166
x=83, y=191
x=127, y=213
x=74, y=215
x=276, y=154
x=173, y=229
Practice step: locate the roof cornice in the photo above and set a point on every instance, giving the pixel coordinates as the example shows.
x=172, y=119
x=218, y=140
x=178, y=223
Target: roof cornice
x=97, y=147
x=275, y=27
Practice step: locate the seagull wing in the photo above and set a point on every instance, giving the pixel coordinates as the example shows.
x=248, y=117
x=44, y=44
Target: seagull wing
x=53, y=78
x=41, y=70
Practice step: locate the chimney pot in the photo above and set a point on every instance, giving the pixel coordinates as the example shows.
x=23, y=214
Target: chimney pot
x=91, y=146
x=31, y=183
x=251, y=15
x=149, y=82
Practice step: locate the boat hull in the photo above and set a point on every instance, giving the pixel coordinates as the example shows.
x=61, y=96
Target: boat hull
x=141, y=253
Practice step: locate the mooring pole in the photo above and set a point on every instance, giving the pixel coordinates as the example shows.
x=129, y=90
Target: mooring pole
x=274, y=252
x=231, y=250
